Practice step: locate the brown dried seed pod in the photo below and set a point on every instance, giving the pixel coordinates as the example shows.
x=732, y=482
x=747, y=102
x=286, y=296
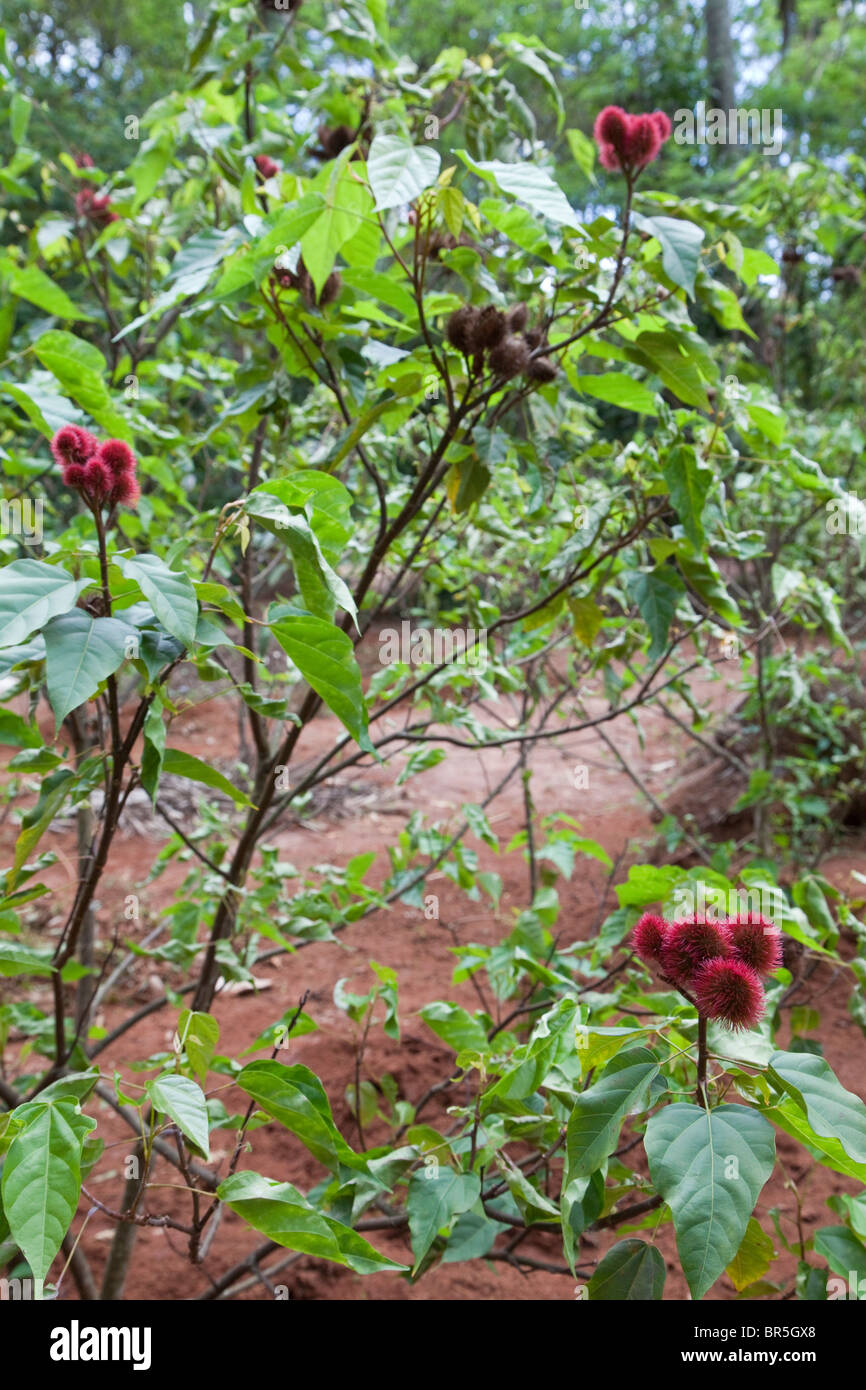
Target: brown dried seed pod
x=510, y=357
x=541, y=369
x=333, y=140
x=516, y=318
x=534, y=337
x=331, y=288
x=490, y=328
x=460, y=330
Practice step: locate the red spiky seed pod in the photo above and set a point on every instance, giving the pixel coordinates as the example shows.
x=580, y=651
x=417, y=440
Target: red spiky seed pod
x=72, y=444
x=97, y=482
x=756, y=941
x=117, y=457
x=729, y=991
x=649, y=936
x=266, y=166
x=691, y=942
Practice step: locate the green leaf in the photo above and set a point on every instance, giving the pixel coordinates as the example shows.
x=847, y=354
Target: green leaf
x=82, y=372
x=791, y=1118
x=24, y=960
x=398, y=170
x=282, y=1213
x=154, y=749
x=16, y=732
x=657, y=594
x=42, y=1179
x=80, y=652
x=53, y=792
x=753, y=1258
x=673, y=366
x=19, y=117
x=688, y=481
x=199, y=1034
x=844, y=1253
x=582, y=151
x=618, y=388
x=529, y=183
x=296, y=1098
x=631, y=1271
x=325, y=657
x=833, y=1112
x=186, y=765
x=321, y=587
x=595, y=1122
x=455, y=1027
x=30, y=594
x=681, y=247
x=347, y=204
x=169, y=593
x=436, y=1196
x=709, y=1166
x=31, y=283
x=183, y=1101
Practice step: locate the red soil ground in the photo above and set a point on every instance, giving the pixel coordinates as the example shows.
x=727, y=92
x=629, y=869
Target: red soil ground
x=420, y=950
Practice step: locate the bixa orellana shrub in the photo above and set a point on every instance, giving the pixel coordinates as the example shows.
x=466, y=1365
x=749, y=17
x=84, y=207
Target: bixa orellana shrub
x=384, y=372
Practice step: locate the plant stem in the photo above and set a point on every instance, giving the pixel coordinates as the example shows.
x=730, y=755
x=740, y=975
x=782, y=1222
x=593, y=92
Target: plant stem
x=701, y=1093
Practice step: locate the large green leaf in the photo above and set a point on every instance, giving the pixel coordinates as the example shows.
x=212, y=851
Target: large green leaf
x=282, y=1213
x=688, y=483
x=30, y=594
x=595, y=1122
x=183, y=1101
x=169, y=593
x=529, y=183
x=657, y=594
x=199, y=1034
x=325, y=657
x=618, y=388
x=709, y=1166
x=53, y=791
x=80, y=652
x=436, y=1196
x=295, y=1096
x=186, y=765
x=790, y=1117
x=843, y=1251
x=321, y=587
x=833, y=1112
x=42, y=1178
x=398, y=170
x=30, y=283
x=16, y=959
x=675, y=368
x=347, y=204
x=753, y=1258
x=82, y=372
x=681, y=247
x=631, y=1271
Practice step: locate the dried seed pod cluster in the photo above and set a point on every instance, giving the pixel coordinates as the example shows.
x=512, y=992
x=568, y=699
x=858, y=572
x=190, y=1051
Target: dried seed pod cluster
x=503, y=337
x=301, y=279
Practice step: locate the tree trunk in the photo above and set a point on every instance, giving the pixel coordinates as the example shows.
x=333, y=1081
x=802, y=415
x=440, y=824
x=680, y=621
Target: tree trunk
x=720, y=54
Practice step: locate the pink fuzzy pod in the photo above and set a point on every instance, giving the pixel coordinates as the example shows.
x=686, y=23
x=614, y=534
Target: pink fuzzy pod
x=643, y=141
x=125, y=491
x=266, y=166
x=649, y=936
x=689, y=944
x=97, y=481
x=757, y=942
x=117, y=457
x=730, y=992
x=71, y=444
